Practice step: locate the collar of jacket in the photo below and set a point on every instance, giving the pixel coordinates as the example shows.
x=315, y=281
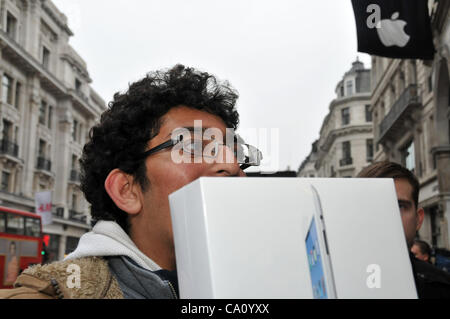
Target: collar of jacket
x=137, y=282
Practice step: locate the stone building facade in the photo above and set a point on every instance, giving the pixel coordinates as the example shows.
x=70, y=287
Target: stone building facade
x=345, y=144
x=307, y=168
x=46, y=109
x=411, y=113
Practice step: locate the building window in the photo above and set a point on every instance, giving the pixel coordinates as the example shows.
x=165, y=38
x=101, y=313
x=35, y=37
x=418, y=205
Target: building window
x=346, y=154
x=5, y=181
x=18, y=92
x=409, y=158
x=11, y=26
x=7, y=130
x=75, y=130
x=45, y=57
x=42, y=112
x=6, y=144
x=345, y=114
x=74, y=202
x=46, y=114
x=77, y=85
x=50, y=116
x=71, y=244
x=7, y=89
x=349, y=86
x=42, y=146
x=368, y=114
x=42, y=162
x=80, y=132
x=346, y=149
x=342, y=91
x=369, y=150
x=74, y=162
x=434, y=225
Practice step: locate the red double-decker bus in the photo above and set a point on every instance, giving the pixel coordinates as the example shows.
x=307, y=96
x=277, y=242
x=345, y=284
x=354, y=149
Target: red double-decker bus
x=20, y=243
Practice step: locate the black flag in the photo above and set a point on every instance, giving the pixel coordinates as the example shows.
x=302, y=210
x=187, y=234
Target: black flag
x=394, y=28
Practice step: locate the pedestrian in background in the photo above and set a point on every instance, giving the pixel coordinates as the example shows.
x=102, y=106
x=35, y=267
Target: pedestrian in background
x=421, y=250
x=431, y=282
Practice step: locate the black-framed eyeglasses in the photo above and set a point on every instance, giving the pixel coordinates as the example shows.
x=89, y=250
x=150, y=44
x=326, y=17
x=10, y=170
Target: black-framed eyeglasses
x=245, y=154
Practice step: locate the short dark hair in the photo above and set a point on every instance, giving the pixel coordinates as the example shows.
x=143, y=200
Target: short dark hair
x=386, y=169
x=424, y=248
x=133, y=118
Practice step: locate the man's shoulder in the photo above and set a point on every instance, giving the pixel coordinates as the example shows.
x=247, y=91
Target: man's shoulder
x=62, y=269
x=87, y=277
x=431, y=281
x=431, y=273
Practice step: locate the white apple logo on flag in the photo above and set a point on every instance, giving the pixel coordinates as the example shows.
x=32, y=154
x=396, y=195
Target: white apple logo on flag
x=391, y=32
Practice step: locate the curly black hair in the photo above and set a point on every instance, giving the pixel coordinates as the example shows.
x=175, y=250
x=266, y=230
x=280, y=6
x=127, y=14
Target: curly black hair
x=133, y=118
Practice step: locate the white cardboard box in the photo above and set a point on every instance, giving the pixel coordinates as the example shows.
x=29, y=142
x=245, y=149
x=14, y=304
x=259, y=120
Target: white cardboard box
x=245, y=238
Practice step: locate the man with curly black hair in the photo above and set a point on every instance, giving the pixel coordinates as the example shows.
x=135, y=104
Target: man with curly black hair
x=129, y=167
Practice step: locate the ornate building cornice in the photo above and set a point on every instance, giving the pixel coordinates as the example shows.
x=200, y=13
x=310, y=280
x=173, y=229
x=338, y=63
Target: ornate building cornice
x=345, y=131
x=62, y=24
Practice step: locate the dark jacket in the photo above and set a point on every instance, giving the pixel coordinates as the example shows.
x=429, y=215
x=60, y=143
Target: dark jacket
x=431, y=282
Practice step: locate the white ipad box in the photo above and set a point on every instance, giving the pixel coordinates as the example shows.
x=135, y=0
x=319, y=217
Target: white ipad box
x=290, y=238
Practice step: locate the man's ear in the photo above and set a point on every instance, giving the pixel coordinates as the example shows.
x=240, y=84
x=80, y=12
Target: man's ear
x=420, y=217
x=123, y=191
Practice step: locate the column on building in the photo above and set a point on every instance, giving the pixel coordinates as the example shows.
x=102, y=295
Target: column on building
x=30, y=130
x=62, y=247
x=63, y=138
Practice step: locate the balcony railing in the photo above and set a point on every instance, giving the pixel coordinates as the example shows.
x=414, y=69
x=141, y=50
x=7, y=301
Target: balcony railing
x=44, y=164
x=9, y=148
x=77, y=217
x=74, y=175
x=346, y=161
x=403, y=106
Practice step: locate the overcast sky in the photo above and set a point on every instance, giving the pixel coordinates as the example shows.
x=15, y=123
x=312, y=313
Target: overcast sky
x=284, y=57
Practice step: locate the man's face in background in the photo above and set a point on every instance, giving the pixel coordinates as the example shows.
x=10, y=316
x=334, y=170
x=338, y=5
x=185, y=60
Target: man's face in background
x=415, y=249
x=412, y=217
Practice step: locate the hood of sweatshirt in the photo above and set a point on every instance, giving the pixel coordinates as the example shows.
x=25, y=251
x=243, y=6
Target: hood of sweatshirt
x=107, y=238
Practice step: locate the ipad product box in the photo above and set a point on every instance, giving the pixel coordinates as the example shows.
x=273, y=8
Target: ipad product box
x=290, y=238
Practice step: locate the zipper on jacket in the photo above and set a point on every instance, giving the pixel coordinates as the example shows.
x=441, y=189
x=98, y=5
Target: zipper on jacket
x=172, y=289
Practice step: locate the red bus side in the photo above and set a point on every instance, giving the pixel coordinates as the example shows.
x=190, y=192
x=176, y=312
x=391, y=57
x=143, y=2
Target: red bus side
x=24, y=261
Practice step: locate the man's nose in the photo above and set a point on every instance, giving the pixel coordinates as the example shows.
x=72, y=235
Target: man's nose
x=226, y=163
